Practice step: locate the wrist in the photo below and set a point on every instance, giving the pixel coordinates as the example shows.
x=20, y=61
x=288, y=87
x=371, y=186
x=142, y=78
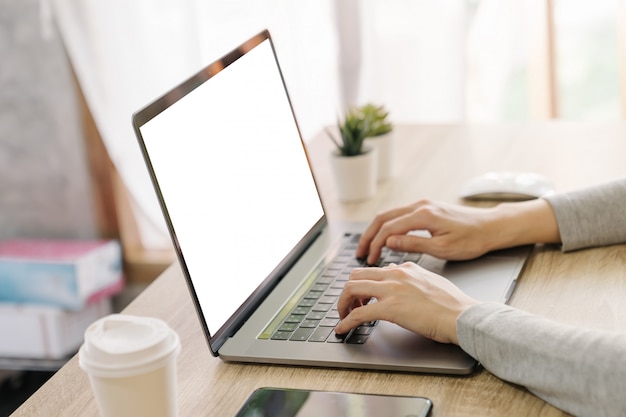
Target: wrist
x=524, y=223
x=466, y=305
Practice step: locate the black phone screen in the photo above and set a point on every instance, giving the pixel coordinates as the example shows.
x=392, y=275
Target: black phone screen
x=279, y=402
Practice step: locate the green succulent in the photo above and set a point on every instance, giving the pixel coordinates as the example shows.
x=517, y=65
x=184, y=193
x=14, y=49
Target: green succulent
x=377, y=116
x=352, y=131
x=358, y=124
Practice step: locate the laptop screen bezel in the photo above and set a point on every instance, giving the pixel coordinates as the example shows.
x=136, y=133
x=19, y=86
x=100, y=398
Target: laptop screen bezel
x=216, y=338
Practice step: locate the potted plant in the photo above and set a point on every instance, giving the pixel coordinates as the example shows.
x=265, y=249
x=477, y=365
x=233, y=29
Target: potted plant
x=376, y=117
x=379, y=137
x=354, y=165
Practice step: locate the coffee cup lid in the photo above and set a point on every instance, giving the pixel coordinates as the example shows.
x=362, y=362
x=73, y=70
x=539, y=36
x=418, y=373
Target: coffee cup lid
x=122, y=345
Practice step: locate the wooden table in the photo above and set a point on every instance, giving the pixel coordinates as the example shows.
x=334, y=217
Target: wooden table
x=584, y=288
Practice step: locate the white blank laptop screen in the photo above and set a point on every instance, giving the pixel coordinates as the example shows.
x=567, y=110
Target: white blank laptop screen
x=232, y=170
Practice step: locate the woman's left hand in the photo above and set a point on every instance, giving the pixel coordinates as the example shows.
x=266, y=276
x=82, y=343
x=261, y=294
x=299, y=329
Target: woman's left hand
x=408, y=295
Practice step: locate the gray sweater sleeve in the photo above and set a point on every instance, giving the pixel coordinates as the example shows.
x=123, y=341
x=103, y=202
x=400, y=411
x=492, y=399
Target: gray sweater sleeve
x=591, y=217
x=580, y=371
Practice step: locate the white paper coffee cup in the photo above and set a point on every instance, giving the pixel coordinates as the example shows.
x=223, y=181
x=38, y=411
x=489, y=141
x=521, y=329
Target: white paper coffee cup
x=131, y=363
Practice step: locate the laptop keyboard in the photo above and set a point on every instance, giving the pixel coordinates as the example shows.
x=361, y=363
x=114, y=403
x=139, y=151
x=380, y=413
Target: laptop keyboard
x=311, y=315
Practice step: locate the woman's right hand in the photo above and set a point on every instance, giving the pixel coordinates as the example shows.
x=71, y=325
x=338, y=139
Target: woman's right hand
x=458, y=232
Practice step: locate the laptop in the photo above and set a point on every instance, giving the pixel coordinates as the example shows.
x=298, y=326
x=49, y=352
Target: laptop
x=263, y=264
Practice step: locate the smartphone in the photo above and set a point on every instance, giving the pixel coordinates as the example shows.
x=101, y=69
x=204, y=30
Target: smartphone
x=282, y=402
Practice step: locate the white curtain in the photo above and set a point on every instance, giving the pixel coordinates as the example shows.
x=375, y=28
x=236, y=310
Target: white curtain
x=414, y=58
x=497, y=60
x=406, y=54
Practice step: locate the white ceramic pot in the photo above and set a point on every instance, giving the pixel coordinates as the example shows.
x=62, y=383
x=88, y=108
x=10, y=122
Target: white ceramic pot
x=355, y=176
x=384, y=147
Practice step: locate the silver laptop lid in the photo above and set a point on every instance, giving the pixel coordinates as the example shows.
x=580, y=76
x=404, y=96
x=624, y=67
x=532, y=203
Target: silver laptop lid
x=228, y=164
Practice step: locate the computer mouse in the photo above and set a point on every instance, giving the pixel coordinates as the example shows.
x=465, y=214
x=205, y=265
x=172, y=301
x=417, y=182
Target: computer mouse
x=501, y=186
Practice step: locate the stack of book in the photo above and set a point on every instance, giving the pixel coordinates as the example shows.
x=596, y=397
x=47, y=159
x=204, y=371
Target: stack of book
x=51, y=290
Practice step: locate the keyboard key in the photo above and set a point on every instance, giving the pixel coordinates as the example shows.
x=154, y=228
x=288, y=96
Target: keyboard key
x=394, y=258
x=356, y=263
x=322, y=307
x=343, y=277
x=412, y=257
x=321, y=334
x=301, y=310
x=307, y=302
x=356, y=339
x=327, y=299
x=301, y=335
x=364, y=330
x=307, y=323
x=338, y=285
x=333, y=314
x=334, y=292
x=342, y=260
x=313, y=295
x=288, y=327
x=280, y=335
x=316, y=315
x=329, y=322
x=335, y=338
x=294, y=318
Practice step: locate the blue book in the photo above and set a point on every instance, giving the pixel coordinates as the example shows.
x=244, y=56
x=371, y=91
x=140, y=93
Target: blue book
x=63, y=273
